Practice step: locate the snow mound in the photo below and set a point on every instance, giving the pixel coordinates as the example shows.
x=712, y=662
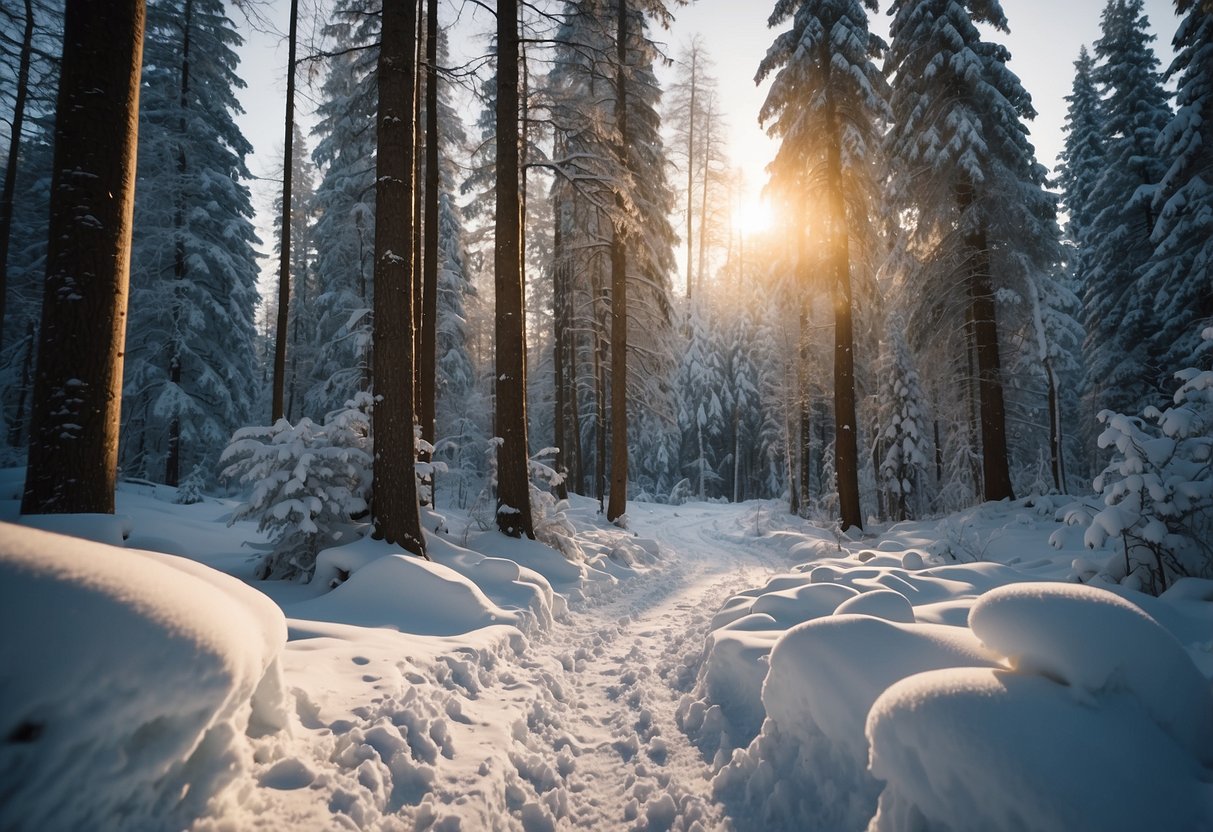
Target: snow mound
x=814, y=677
x=879, y=603
x=1095, y=641
x=408, y=594
x=1060, y=764
x=141, y=675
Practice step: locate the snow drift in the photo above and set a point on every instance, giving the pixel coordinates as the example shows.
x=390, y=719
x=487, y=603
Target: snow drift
x=130, y=683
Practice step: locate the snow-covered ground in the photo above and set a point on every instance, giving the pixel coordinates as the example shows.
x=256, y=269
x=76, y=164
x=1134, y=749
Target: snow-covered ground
x=505, y=687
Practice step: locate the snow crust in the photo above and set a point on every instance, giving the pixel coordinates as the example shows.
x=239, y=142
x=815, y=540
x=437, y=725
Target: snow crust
x=130, y=683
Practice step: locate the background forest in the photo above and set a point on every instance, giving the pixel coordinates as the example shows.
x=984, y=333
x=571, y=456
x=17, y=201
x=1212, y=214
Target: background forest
x=926, y=319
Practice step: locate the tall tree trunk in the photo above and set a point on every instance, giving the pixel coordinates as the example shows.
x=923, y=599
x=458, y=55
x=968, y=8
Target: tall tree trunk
x=172, y=460
x=691, y=167
x=578, y=452
x=394, y=486
x=1057, y=463
x=429, y=291
x=17, y=426
x=418, y=208
x=703, y=204
x=73, y=453
x=846, y=428
x=619, y=286
x=600, y=384
x=284, y=250
x=14, y=155
x=995, y=462
x=513, y=476
x=559, y=337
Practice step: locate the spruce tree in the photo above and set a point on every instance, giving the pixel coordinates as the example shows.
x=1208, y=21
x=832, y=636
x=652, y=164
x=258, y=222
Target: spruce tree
x=1118, y=315
x=1179, y=277
x=1082, y=160
x=191, y=349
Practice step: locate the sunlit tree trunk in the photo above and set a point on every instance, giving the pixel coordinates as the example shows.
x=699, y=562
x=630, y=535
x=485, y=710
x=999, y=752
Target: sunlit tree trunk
x=73, y=451
x=619, y=288
x=394, y=487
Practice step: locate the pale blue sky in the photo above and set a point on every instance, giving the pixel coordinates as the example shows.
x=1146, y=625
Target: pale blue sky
x=1044, y=41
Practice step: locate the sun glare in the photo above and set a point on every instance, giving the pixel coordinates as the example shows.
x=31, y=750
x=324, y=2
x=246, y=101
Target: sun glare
x=755, y=217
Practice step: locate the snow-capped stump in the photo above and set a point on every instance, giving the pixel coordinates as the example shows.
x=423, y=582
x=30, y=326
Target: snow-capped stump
x=1099, y=643
x=128, y=683
x=978, y=748
x=410, y=594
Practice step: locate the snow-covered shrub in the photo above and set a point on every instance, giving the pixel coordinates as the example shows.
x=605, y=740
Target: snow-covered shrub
x=550, y=515
x=308, y=482
x=190, y=490
x=1158, y=490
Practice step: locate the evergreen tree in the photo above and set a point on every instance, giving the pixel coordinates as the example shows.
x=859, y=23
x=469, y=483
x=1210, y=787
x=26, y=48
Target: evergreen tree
x=1179, y=276
x=902, y=440
x=1121, y=374
x=1082, y=160
x=191, y=334
x=826, y=104
x=963, y=165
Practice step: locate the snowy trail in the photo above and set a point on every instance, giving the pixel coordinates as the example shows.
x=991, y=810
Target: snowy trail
x=591, y=705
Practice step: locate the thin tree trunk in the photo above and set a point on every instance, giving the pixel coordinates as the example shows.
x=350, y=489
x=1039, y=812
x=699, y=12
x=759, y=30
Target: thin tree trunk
x=578, y=456
x=419, y=116
x=846, y=428
x=600, y=365
x=703, y=204
x=619, y=287
x=73, y=454
x=284, y=252
x=14, y=154
x=394, y=486
x=172, y=460
x=17, y=427
x=1057, y=463
x=513, y=476
x=559, y=336
x=691, y=168
x=429, y=292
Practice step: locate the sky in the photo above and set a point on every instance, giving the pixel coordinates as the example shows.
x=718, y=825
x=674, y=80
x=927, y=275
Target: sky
x=1044, y=40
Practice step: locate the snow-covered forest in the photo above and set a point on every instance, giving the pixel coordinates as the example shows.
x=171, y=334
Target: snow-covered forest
x=499, y=457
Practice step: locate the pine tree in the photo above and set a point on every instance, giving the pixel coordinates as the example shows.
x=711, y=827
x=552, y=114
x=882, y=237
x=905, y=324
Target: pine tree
x=962, y=163
x=1117, y=315
x=1178, y=278
x=902, y=440
x=77, y=391
x=191, y=334
x=1082, y=160
x=344, y=230
x=826, y=103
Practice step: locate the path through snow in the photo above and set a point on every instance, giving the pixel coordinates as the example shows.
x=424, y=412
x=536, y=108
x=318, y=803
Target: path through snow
x=594, y=741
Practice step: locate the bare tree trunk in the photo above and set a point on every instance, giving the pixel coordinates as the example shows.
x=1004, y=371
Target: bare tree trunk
x=578, y=455
x=73, y=452
x=17, y=427
x=691, y=167
x=14, y=153
x=284, y=250
x=619, y=287
x=846, y=428
x=600, y=365
x=995, y=462
x=394, y=486
x=703, y=204
x=559, y=338
x=1057, y=462
x=513, y=476
x=429, y=292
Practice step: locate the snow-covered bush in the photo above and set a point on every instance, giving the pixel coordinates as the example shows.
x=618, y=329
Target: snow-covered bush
x=550, y=515
x=1158, y=489
x=308, y=482
x=190, y=490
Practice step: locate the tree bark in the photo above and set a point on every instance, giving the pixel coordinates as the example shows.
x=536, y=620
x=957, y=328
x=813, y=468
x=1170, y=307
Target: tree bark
x=559, y=337
x=995, y=463
x=14, y=154
x=429, y=289
x=691, y=167
x=394, y=485
x=846, y=451
x=703, y=204
x=619, y=287
x=513, y=475
x=418, y=206
x=284, y=249
x=73, y=452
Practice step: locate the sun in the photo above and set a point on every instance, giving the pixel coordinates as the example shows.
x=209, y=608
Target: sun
x=756, y=216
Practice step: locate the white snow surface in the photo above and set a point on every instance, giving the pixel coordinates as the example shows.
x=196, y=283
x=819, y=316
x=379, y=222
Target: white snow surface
x=712, y=667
